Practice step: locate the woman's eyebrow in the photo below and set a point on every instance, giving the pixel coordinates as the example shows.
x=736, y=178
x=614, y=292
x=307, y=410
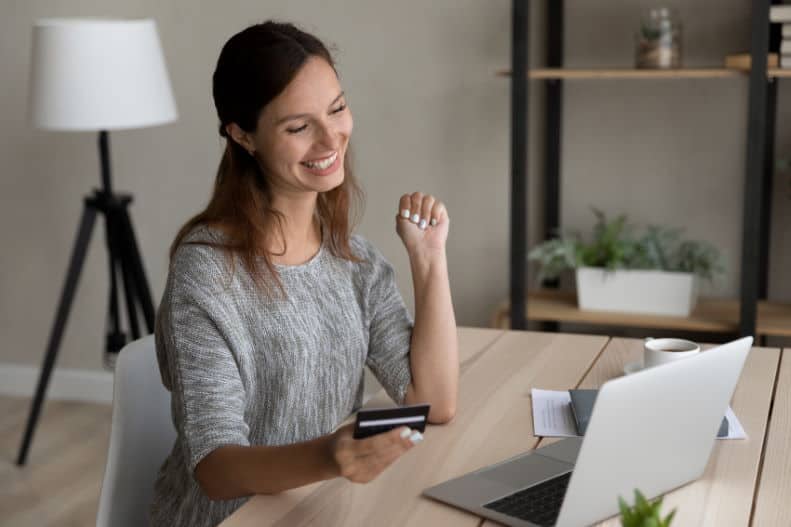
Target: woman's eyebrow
x=303, y=115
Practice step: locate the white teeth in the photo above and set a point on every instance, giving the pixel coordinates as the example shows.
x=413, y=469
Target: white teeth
x=323, y=164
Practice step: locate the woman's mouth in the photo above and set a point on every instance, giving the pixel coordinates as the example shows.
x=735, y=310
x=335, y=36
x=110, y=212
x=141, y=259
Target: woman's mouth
x=323, y=166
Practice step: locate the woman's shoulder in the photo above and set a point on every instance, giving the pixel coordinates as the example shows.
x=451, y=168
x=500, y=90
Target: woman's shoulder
x=364, y=249
x=373, y=261
x=199, y=252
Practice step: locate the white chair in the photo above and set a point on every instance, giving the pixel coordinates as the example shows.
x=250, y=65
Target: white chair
x=141, y=437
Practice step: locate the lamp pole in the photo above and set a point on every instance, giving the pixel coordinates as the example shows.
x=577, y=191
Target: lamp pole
x=124, y=260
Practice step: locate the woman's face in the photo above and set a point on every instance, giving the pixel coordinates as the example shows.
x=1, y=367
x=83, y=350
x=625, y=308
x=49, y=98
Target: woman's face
x=302, y=135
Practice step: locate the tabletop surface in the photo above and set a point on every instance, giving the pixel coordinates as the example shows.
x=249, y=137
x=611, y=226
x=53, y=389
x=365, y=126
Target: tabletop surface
x=746, y=482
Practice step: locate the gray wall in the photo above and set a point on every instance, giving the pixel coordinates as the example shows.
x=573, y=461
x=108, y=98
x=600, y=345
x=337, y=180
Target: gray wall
x=429, y=115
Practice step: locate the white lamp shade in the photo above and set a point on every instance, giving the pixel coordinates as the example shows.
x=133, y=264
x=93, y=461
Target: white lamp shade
x=98, y=74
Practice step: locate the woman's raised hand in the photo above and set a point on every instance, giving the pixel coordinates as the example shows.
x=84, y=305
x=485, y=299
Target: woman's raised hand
x=422, y=223
x=362, y=460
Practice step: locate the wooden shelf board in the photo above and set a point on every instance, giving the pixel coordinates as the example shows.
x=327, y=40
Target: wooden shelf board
x=710, y=315
x=626, y=73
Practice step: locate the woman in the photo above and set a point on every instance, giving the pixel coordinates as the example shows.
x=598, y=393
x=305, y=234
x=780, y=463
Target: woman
x=272, y=307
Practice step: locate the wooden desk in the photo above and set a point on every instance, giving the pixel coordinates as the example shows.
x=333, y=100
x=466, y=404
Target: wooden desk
x=746, y=482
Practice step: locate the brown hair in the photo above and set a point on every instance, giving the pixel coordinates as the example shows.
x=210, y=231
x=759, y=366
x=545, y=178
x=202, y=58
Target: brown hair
x=254, y=67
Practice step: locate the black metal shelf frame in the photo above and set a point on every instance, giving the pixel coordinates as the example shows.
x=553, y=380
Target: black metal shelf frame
x=759, y=167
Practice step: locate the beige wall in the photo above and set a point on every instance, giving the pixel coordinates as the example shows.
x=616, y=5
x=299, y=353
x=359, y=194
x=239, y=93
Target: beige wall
x=429, y=115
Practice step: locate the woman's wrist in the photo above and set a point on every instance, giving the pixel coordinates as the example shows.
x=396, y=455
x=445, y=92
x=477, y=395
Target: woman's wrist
x=425, y=260
x=324, y=455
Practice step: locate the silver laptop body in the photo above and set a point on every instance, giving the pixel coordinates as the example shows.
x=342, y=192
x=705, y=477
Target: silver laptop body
x=653, y=430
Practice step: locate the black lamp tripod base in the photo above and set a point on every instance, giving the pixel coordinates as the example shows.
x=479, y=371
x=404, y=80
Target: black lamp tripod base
x=124, y=259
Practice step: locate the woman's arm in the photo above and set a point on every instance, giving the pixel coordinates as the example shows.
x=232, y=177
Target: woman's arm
x=235, y=471
x=434, y=356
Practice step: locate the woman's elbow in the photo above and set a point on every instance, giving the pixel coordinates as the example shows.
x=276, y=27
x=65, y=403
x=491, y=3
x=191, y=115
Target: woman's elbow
x=441, y=415
x=211, y=480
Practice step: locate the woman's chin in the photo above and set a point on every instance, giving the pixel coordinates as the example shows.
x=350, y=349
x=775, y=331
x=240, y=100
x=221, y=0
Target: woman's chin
x=329, y=182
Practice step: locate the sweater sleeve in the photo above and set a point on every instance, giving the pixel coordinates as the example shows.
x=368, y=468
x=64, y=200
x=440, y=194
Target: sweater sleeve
x=390, y=330
x=197, y=364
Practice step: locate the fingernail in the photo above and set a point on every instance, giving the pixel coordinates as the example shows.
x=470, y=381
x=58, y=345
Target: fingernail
x=423, y=224
x=416, y=437
x=415, y=218
x=405, y=213
x=433, y=222
x=405, y=432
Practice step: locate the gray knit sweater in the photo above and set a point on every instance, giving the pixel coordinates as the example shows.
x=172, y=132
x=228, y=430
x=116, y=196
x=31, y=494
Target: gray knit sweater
x=244, y=369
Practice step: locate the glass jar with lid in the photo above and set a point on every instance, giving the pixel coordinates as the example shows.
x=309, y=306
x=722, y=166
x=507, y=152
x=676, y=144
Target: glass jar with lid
x=658, y=40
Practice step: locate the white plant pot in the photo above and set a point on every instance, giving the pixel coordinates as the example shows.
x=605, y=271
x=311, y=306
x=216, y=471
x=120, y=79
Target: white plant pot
x=632, y=291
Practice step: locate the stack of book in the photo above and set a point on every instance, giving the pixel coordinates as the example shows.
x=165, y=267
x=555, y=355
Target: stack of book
x=781, y=14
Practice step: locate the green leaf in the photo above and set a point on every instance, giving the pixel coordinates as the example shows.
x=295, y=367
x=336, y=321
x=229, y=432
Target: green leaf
x=613, y=246
x=643, y=513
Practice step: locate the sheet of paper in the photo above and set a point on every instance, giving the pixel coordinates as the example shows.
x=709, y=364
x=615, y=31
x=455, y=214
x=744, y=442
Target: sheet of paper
x=552, y=416
x=735, y=429
x=552, y=413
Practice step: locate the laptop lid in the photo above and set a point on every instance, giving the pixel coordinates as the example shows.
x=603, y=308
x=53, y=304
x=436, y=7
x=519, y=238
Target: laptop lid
x=653, y=430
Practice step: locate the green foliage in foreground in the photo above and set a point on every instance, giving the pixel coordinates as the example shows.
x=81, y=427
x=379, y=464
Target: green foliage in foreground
x=643, y=513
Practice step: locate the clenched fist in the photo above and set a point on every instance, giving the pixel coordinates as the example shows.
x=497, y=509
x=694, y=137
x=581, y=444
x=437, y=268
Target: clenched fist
x=422, y=223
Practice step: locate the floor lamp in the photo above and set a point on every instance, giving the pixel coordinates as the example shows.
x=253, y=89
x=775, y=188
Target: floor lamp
x=98, y=75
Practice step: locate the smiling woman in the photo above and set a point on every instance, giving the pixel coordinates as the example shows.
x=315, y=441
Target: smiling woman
x=265, y=73
x=273, y=307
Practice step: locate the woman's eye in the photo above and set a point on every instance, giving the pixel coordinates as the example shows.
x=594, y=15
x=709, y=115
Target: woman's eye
x=296, y=130
x=339, y=108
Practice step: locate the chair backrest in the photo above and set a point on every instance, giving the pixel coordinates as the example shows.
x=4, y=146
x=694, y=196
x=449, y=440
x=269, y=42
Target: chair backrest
x=141, y=437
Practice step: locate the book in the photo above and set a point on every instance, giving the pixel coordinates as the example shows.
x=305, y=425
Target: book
x=780, y=13
x=582, y=407
x=786, y=30
x=742, y=61
x=785, y=47
x=785, y=61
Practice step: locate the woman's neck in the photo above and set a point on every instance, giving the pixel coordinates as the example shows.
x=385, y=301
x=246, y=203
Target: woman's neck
x=301, y=230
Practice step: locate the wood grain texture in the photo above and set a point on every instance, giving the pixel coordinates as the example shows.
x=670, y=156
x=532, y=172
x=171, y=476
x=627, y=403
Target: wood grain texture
x=60, y=484
x=627, y=73
x=772, y=504
x=493, y=397
x=642, y=74
x=723, y=496
x=715, y=315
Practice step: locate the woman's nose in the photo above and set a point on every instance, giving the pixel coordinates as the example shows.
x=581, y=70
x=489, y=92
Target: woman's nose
x=329, y=137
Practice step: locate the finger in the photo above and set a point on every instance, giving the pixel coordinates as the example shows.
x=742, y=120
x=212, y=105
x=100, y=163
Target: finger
x=380, y=442
x=438, y=214
x=416, y=202
x=425, y=210
x=405, y=206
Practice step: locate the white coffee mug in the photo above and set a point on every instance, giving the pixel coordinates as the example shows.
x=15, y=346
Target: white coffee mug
x=662, y=351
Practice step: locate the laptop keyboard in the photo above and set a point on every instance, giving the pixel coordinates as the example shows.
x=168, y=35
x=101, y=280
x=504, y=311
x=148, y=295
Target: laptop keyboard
x=539, y=504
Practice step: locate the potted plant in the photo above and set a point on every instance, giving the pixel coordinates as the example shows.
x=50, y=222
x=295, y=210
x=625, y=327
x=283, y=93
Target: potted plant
x=643, y=513
x=653, y=272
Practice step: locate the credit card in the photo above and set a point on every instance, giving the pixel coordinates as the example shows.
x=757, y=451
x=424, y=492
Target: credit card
x=379, y=420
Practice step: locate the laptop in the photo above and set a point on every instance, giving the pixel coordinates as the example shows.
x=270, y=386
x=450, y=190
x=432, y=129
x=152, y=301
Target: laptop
x=653, y=430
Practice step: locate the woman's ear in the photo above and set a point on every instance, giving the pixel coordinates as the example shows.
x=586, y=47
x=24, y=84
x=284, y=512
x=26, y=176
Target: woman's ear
x=239, y=136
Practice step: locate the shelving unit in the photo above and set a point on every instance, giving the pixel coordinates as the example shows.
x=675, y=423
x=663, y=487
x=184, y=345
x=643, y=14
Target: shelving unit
x=750, y=314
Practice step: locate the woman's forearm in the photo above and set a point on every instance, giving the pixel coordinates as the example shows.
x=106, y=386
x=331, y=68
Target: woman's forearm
x=235, y=471
x=434, y=357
